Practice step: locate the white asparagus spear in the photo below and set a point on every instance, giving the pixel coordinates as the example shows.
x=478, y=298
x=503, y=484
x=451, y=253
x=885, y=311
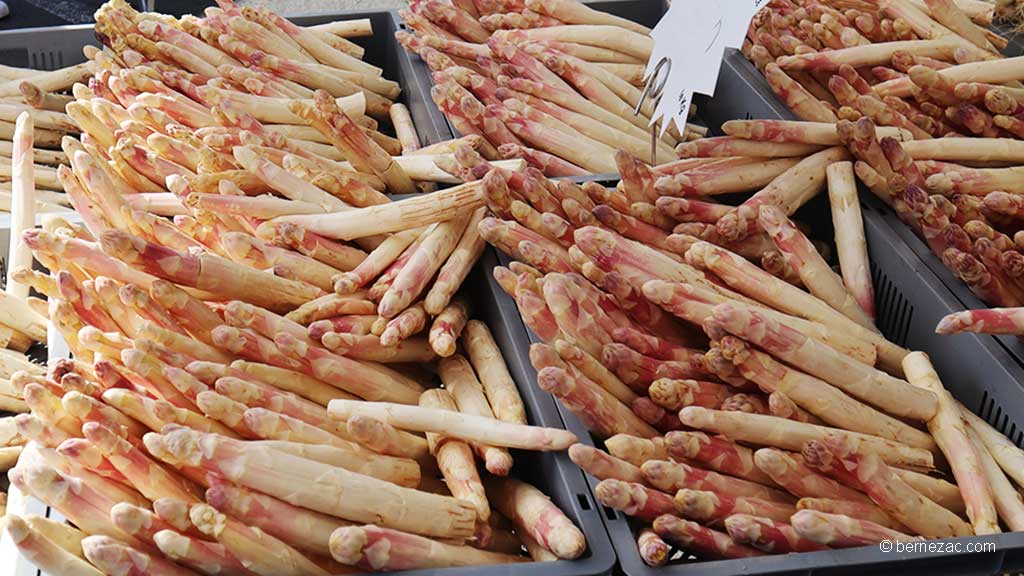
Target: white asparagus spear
x=23, y=204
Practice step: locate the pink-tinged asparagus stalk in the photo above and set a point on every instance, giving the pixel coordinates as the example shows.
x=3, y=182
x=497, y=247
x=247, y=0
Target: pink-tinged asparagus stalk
x=598, y=408
x=280, y=378
x=801, y=480
x=790, y=435
x=330, y=252
x=113, y=555
x=804, y=104
x=719, y=454
x=421, y=267
x=92, y=410
x=202, y=555
x=603, y=465
x=44, y=553
x=825, y=401
x=595, y=371
x=330, y=306
x=754, y=282
x=851, y=246
x=673, y=394
x=260, y=552
x=387, y=439
x=32, y=428
x=1001, y=449
x=361, y=546
x=671, y=477
x=83, y=455
x=446, y=328
x=139, y=300
x=853, y=509
x=840, y=531
x=534, y=514
x=84, y=301
x=457, y=425
x=1007, y=500
x=47, y=407
x=352, y=324
x=707, y=542
x=86, y=506
x=410, y=321
x=376, y=262
x=987, y=321
x=788, y=191
x=821, y=361
x=277, y=474
x=271, y=425
x=730, y=146
x=368, y=347
x=190, y=313
x=783, y=131
x=393, y=217
x=892, y=494
x=365, y=154
x=636, y=450
x=23, y=201
x=768, y=535
x=150, y=371
x=783, y=406
x=208, y=272
x=455, y=458
x=502, y=394
x=950, y=434
x=305, y=530
x=460, y=380
x=250, y=251
x=653, y=550
x=137, y=521
x=366, y=380
x=713, y=508
x=457, y=266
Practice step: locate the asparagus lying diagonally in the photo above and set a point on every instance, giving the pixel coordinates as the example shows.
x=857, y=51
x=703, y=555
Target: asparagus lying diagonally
x=933, y=68
x=745, y=410
x=552, y=83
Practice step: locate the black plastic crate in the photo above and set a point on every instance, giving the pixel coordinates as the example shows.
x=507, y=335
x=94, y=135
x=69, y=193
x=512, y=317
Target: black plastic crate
x=909, y=301
x=552, y=472
x=749, y=91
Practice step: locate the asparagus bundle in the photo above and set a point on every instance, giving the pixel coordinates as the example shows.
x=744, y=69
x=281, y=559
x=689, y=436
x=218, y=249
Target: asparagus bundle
x=553, y=83
x=929, y=67
x=782, y=424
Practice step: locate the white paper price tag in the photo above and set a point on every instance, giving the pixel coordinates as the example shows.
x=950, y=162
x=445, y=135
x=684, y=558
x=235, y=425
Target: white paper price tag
x=692, y=36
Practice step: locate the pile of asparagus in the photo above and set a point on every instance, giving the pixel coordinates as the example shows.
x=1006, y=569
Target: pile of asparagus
x=248, y=395
x=220, y=437
x=555, y=83
x=931, y=68
x=40, y=95
x=745, y=409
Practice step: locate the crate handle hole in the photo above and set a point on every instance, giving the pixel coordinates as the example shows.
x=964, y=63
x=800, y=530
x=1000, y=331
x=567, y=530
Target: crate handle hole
x=610, y=513
x=583, y=500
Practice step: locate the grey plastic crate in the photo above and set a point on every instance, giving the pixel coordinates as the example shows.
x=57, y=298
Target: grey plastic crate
x=58, y=46
x=749, y=91
x=909, y=301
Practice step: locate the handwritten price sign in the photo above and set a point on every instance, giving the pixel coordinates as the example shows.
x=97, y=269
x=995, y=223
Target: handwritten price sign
x=691, y=38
